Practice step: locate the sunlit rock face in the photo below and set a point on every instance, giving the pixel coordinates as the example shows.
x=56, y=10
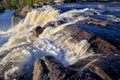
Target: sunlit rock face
x=46, y=31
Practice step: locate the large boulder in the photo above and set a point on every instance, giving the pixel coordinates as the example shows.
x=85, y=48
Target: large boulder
x=102, y=67
x=49, y=68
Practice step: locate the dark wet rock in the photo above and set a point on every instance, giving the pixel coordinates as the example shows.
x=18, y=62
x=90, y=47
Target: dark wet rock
x=98, y=44
x=40, y=70
x=102, y=67
x=49, y=68
x=106, y=66
x=36, y=31
x=54, y=23
x=108, y=30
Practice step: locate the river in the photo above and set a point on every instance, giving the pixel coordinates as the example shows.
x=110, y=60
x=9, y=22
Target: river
x=5, y=19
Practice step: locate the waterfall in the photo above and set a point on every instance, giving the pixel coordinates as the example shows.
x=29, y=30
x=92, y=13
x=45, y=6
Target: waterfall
x=22, y=49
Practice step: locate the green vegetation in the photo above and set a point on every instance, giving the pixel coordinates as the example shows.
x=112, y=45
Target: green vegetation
x=18, y=4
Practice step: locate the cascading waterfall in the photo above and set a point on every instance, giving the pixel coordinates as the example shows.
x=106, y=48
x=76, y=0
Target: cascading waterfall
x=41, y=17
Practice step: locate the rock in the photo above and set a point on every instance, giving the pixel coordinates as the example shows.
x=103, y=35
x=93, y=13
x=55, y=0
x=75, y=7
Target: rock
x=49, y=68
x=40, y=70
x=24, y=10
x=20, y=14
x=15, y=19
x=36, y=31
x=98, y=44
x=98, y=22
x=73, y=35
x=54, y=23
x=106, y=66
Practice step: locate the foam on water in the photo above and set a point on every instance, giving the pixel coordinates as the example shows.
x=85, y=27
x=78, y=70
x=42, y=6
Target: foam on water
x=40, y=16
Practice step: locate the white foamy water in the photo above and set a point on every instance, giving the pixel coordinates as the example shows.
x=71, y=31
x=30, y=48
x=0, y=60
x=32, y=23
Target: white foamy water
x=20, y=49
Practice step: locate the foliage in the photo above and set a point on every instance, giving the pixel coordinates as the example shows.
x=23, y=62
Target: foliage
x=17, y=3
x=29, y=2
x=14, y=3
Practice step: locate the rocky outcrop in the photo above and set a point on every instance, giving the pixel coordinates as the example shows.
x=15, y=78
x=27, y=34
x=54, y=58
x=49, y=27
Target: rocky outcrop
x=98, y=44
x=102, y=68
x=49, y=68
x=106, y=66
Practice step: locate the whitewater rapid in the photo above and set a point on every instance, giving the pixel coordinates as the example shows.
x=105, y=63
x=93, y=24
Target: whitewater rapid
x=19, y=49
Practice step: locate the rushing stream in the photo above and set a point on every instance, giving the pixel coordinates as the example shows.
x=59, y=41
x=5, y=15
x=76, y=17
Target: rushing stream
x=5, y=19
